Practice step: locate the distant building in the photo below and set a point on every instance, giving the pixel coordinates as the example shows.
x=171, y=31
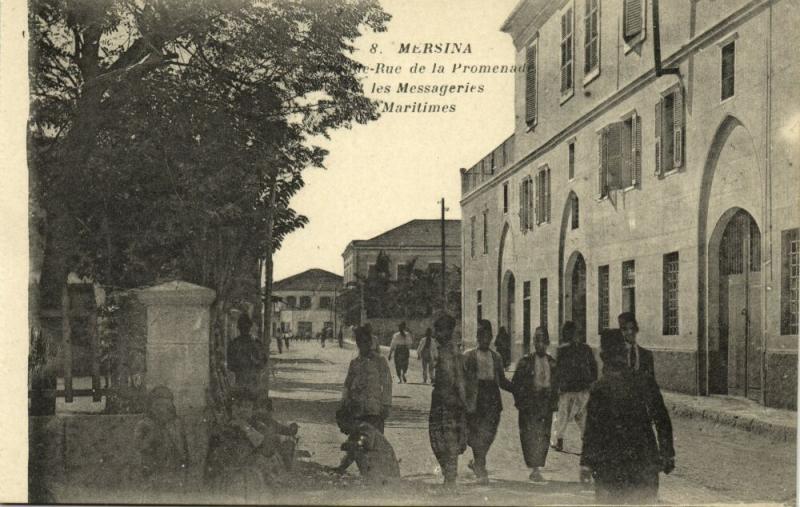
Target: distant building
x=418, y=240
x=670, y=194
x=307, y=304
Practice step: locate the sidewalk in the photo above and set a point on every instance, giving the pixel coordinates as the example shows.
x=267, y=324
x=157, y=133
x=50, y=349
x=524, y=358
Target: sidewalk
x=736, y=412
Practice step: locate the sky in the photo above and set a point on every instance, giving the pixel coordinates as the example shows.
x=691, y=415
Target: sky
x=395, y=169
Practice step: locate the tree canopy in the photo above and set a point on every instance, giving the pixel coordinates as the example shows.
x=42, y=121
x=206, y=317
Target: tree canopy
x=163, y=133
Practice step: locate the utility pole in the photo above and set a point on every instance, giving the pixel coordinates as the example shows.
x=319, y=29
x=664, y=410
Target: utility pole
x=444, y=285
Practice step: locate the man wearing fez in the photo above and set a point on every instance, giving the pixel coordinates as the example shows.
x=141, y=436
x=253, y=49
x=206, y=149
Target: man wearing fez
x=447, y=425
x=484, y=376
x=619, y=448
x=246, y=356
x=638, y=358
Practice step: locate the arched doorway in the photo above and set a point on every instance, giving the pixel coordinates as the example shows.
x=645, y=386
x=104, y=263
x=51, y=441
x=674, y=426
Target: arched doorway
x=508, y=300
x=575, y=294
x=735, y=305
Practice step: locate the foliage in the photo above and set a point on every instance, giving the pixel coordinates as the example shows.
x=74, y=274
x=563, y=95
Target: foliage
x=160, y=128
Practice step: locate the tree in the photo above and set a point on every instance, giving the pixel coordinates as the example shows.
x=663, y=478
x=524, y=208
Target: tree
x=168, y=136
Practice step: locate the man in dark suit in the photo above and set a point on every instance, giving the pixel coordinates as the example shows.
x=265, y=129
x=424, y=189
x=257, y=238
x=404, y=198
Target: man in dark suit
x=484, y=376
x=620, y=449
x=639, y=358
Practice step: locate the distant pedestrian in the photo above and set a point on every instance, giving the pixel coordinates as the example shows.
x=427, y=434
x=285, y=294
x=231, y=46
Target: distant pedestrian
x=576, y=370
x=426, y=353
x=619, y=448
x=502, y=345
x=400, y=347
x=246, y=356
x=323, y=337
x=279, y=342
x=286, y=337
x=536, y=398
x=340, y=338
x=638, y=358
x=484, y=377
x=367, y=393
x=447, y=425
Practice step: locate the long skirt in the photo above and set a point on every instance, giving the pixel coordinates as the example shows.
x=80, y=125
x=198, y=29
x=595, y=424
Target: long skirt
x=447, y=429
x=482, y=424
x=534, y=435
x=632, y=484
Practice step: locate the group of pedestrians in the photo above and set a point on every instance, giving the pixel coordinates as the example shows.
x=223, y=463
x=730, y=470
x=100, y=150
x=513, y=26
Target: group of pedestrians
x=616, y=414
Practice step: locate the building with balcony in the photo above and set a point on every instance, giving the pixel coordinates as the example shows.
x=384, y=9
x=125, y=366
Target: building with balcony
x=307, y=303
x=651, y=169
x=418, y=241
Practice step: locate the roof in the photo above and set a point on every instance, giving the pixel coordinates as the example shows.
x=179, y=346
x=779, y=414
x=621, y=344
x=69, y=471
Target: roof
x=417, y=233
x=312, y=279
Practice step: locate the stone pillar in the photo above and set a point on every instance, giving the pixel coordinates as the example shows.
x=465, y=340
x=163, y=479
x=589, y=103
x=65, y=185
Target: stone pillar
x=178, y=315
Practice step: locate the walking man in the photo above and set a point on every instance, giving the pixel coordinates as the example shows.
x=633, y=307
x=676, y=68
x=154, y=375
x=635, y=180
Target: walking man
x=426, y=352
x=536, y=398
x=400, y=348
x=619, y=448
x=367, y=393
x=576, y=370
x=638, y=358
x=447, y=425
x=484, y=377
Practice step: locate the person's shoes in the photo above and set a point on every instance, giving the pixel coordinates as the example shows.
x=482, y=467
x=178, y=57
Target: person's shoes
x=536, y=476
x=559, y=446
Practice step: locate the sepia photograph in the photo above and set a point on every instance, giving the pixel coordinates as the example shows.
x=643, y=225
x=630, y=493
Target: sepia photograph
x=400, y=252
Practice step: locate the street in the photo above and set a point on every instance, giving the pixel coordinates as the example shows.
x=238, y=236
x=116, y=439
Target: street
x=713, y=463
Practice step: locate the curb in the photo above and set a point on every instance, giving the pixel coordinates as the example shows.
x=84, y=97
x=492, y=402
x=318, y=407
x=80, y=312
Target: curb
x=776, y=431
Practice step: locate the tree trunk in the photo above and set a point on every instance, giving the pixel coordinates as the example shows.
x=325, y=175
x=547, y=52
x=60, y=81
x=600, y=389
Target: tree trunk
x=267, y=338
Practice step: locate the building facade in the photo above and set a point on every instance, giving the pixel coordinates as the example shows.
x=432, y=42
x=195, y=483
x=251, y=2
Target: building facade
x=307, y=303
x=665, y=186
x=418, y=242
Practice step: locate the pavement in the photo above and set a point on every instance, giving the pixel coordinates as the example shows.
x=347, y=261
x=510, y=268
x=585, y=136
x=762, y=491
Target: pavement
x=717, y=461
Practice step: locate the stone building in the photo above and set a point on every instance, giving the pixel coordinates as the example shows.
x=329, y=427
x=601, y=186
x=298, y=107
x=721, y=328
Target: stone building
x=308, y=302
x=654, y=173
x=418, y=240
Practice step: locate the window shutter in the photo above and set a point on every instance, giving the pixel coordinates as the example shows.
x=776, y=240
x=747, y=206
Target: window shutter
x=602, y=152
x=633, y=18
x=547, y=195
x=522, y=206
x=659, y=166
x=614, y=156
x=677, y=127
x=587, y=35
x=530, y=203
x=636, y=144
x=530, y=85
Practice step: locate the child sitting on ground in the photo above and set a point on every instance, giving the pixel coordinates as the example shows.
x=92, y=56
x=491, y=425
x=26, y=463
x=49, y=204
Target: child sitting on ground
x=283, y=437
x=372, y=453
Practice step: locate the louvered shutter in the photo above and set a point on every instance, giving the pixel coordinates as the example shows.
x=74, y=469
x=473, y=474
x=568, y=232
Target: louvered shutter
x=522, y=206
x=530, y=203
x=636, y=155
x=587, y=35
x=530, y=85
x=677, y=127
x=614, y=155
x=659, y=162
x=547, y=195
x=602, y=158
x=633, y=18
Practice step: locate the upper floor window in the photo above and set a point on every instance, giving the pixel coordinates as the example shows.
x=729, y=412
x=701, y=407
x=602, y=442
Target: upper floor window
x=728, y=69
x=291, y=301
x=472, y=237
x=591, y=38
x=633, y=22
x=403, y=271
x=505, y=197
x=486, y=232
x=620, y=153
x=571, y=159
x=575, y=213
x=324, y=302
x=372, y=270
x=305, y=302
x=531, y=99
x=567, y=51
x=543, y=196
x=669, y=128
x=526, y=204
x=435, y=268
